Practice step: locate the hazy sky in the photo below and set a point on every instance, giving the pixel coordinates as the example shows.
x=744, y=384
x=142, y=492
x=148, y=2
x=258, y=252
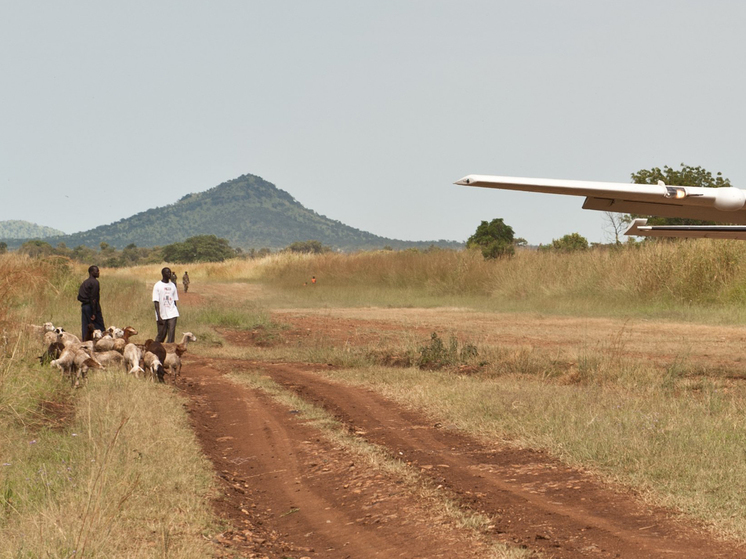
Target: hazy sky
x=365, y=112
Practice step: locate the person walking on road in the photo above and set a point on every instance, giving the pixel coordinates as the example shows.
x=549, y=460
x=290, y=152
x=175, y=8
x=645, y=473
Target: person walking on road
x=89, y=296
x=185, y=281
x=165, y=296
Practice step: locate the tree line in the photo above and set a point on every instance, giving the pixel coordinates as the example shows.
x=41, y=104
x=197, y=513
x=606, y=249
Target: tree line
x=200, y=248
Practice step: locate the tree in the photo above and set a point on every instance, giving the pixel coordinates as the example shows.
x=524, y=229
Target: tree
x=616, y=225
x=201, y=248
x=686, y=176
x=570, y=243
x=36, y=248
x=494, y=239
x=3, y=247
x=308, y=247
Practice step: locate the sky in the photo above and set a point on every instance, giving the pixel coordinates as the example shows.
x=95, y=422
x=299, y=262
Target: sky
x=365, y=112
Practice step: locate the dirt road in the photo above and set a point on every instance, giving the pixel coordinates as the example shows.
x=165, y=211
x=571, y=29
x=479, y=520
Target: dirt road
x=287, y=492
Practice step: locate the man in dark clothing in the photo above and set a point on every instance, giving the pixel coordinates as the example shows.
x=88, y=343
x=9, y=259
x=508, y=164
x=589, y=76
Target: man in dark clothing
x=90, y=310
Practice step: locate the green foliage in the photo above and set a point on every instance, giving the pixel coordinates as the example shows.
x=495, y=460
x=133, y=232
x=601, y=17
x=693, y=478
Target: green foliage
x=570, y=243
x=3, y=247
x=686, y=176
x=308, y=247
x=107, y=256
x=17, y=229
x=436, y=355
x=36, y=248
x=494, y=239
x=202, y=248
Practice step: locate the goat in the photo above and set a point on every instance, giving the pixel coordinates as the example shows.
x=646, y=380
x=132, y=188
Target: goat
x=109, y=358
x=66, y=338
x=132, y=355
x=108, y=342
x=160, y=352
x=115, y=332
x=50, y=337
x=83, y=362
x=76, y=361
x=185, y=339
x=39, y=331
x=153, y=365
x=173, y=361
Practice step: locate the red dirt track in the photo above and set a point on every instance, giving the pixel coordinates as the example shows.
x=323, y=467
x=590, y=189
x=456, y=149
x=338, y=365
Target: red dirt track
x=288, y=492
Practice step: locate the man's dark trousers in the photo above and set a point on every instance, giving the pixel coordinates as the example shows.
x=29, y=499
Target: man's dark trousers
x=166, y=328
x=86, y=310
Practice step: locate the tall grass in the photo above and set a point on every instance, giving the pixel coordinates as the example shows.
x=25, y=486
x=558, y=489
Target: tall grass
x=112, y=470
x=658, y=278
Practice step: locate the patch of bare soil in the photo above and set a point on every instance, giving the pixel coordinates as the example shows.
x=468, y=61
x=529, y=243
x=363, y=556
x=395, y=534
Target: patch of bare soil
x=288, y=493
x=56, y=414
x=663, y=343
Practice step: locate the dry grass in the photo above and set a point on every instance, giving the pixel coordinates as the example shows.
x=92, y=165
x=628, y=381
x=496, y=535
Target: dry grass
x=650, y=402
x=699, y=278
x=82, y=473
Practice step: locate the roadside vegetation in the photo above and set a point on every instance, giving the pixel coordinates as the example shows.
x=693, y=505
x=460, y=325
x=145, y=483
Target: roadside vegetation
x=84, y=471
x=112, y=470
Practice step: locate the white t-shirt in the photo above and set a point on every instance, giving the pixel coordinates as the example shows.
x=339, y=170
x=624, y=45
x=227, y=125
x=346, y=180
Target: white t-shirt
x=166, y=295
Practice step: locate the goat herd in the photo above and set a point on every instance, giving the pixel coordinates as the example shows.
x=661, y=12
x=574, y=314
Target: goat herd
x=110, y=349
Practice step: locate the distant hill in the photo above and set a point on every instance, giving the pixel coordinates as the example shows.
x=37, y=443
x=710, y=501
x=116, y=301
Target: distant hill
x=17, y=229
x=248, y=211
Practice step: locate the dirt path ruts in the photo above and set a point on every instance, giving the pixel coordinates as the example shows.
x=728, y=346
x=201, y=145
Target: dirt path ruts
x=288, y=491
x=535, y=500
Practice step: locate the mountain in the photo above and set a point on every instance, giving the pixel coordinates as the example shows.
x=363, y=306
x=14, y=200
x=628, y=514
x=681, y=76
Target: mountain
x=16, y=229
x=248, y=211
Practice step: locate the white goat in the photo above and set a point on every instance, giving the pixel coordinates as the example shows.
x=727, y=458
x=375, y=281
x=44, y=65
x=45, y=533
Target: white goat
x=173, y=361
x=132, y=356
x=66, y=338
x=116, y=342
x=75, y=361
x=152, y=364
x=109, y=358
x=50, y=338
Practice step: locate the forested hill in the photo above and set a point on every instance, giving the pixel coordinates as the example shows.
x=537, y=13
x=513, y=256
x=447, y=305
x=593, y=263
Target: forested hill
x=248, y=211
x=17, y=229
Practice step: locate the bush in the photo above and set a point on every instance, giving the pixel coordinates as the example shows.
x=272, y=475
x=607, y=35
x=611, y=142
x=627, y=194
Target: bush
x=494, y=239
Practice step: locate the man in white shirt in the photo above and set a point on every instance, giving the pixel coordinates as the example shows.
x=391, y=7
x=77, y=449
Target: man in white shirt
x=166, y=312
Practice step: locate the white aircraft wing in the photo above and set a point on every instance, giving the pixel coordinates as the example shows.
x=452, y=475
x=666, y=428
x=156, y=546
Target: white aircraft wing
x=722, y=205
x=640, y=227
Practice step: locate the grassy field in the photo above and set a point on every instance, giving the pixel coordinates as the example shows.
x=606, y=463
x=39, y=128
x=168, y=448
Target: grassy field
x=112, y=470
x=82, y=471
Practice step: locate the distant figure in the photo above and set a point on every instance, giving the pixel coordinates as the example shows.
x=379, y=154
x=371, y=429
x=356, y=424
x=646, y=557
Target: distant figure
x=185, y=281
x=313, y=280
x=173, y=277
x=166, y=311
x=89, y=296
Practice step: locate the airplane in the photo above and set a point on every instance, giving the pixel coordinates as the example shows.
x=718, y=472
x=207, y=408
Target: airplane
x=721, y=205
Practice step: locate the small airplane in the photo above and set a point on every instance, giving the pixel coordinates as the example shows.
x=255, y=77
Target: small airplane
x=721, y=205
